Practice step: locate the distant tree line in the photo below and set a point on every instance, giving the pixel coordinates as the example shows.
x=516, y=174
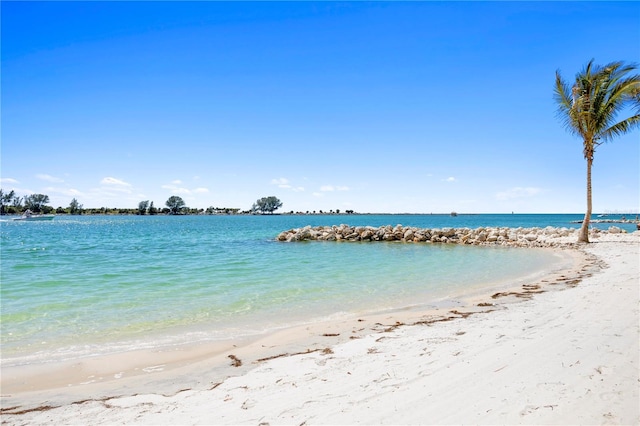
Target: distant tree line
x=11, y=203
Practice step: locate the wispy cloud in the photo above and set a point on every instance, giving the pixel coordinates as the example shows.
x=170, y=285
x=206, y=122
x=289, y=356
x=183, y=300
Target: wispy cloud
x=280, y=182
x=285, y=184
x=331, y=188
x=112, y=187
x=71, y=192
x=450, y=179
x=49, y=178
x=517, y=192
x=8, y=180
x=174, y=188
x=113, y=181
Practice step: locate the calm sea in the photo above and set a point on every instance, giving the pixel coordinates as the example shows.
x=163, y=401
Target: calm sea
x=81, y=285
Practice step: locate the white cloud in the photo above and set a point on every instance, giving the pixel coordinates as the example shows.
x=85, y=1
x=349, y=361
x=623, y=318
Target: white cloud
x=114, y=181
x=112, y=187
x=175, y=189
x=280, y=181
x=8, y=180
x=450, y=179
x=49, y=178
x=64, y=191
x=285, y=184
x=318, y=194
x=517, y=192
x=331, y=188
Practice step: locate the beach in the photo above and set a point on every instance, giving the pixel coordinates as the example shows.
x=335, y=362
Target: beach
x=562, y=350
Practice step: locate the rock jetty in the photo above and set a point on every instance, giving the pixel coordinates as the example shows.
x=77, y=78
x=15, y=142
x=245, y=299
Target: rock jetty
x=515, y=237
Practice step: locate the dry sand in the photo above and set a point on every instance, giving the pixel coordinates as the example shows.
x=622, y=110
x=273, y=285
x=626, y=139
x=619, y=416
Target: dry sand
x=555, y=357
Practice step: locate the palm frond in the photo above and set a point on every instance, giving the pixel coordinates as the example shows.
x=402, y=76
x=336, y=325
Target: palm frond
x=599, y=94
x=621, y=128
x=563, y=96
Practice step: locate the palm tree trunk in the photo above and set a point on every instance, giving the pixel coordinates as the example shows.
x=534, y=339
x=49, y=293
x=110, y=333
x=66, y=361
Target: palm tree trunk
x=583, y=236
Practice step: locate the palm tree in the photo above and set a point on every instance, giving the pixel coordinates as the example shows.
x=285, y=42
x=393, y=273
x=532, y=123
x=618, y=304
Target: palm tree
x=589, y=108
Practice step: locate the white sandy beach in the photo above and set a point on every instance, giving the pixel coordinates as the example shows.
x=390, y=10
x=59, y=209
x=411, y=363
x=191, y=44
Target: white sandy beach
x=569, y=356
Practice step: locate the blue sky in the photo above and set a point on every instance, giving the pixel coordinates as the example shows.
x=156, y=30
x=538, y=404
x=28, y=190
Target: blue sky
x=376, y=107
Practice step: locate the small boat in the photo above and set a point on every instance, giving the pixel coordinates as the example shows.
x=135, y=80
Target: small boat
x=28, y=215
x=454, y=214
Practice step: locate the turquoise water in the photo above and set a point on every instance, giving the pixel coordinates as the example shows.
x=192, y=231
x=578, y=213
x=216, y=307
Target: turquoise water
x=81, y=285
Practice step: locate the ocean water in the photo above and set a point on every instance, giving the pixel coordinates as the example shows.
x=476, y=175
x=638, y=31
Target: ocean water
x=84, y=285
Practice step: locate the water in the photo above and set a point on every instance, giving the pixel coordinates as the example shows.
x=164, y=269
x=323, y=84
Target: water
x=82, y=285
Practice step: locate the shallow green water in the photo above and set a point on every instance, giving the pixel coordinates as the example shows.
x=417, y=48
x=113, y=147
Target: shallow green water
x=79, y=285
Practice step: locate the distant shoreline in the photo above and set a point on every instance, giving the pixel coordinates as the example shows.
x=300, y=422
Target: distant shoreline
x=132, y=212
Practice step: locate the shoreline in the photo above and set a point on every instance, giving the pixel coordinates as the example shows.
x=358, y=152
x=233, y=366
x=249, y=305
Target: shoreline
x=532, y=263
x=206, y=369
x=108, y=372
